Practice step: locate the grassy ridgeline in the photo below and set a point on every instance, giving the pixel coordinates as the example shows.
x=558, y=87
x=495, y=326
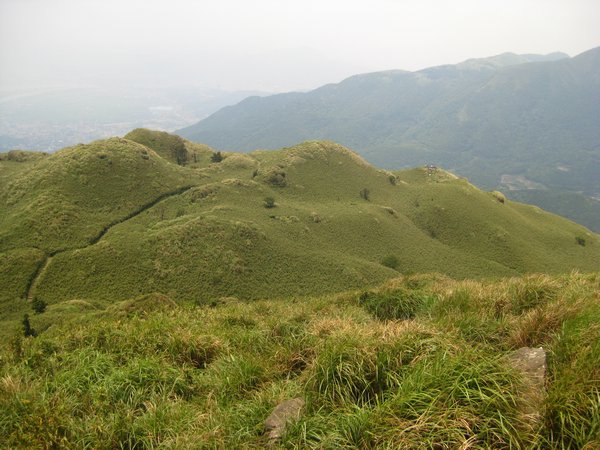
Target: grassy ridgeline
x=335, y=222
x=112, y=220
x=149, y=372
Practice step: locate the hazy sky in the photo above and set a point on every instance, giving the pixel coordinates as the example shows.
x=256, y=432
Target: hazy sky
x=271, y=44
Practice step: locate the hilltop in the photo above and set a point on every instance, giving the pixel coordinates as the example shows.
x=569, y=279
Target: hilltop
x=525, y=117
x=115, y=219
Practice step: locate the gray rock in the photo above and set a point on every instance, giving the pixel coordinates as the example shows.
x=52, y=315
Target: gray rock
x=532, y=364
x=286, y=412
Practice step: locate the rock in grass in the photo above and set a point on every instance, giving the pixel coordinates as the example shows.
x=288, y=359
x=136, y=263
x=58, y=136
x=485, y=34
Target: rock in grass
x=286, y=412
x=532, y=364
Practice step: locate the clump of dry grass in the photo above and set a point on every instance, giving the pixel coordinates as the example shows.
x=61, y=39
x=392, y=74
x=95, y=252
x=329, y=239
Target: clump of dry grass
x=213, y=373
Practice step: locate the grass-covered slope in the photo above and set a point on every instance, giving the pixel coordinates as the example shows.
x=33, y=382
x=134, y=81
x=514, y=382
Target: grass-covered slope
x=65, y=199
x=422, y=362
x=574, y=205
x=219, y=238
x=336, y=223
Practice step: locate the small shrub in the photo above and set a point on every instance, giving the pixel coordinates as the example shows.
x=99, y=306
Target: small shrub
x=580, y=241
x=276, y=177
x=216, y=157
x=499, y=196
x=390, y=261
x=202, y=193
x=390, y=211
x=27, y=329
x=269, y=202
x=38, y=305
x=365, y=194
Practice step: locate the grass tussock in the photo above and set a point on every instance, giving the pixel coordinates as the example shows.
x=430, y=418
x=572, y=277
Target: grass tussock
x=151, y=373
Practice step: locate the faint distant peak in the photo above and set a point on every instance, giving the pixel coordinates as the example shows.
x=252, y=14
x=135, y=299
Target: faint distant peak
x=508, y=59
x=593, y=53
x=382, y=75
x=490, y=63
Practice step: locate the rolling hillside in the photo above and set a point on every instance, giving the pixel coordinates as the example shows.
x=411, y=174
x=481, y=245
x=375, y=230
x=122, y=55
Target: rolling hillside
x=114, y=219
x=534, y=119
x=156, y=293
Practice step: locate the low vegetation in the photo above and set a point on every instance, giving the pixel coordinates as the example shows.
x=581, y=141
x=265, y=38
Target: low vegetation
x=429, y=371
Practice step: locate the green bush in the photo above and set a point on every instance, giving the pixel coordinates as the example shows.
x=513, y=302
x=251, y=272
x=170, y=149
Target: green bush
x=216, y=157
x=269, y=202
x=276, y=177
x=365, y=194
x=390, y=261
x=38, y=305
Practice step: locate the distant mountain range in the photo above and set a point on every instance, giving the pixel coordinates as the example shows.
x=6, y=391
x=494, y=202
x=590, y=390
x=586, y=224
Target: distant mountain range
x=526, y=124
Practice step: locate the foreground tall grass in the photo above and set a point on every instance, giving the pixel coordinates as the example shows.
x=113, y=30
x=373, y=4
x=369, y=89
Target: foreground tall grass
x=429, y=370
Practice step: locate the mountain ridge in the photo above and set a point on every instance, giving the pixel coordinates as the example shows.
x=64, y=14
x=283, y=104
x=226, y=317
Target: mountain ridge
x=205, y=229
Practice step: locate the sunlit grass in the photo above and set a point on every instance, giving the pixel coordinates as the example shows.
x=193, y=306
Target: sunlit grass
x=153, y=373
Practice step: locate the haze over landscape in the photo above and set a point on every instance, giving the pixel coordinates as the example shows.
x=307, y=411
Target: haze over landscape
x=114, y=66
x=283, y=224
x=271, y=45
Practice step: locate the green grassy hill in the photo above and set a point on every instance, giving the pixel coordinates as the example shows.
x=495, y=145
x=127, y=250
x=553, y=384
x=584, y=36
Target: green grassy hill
x=173, y=303
x=113, y=220
x=421, y=362
x=484, y=119
x=574, y=205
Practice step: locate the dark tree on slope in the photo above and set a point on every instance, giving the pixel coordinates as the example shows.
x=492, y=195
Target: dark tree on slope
x=38, y=305
x=27, y=330
x=365, y=194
